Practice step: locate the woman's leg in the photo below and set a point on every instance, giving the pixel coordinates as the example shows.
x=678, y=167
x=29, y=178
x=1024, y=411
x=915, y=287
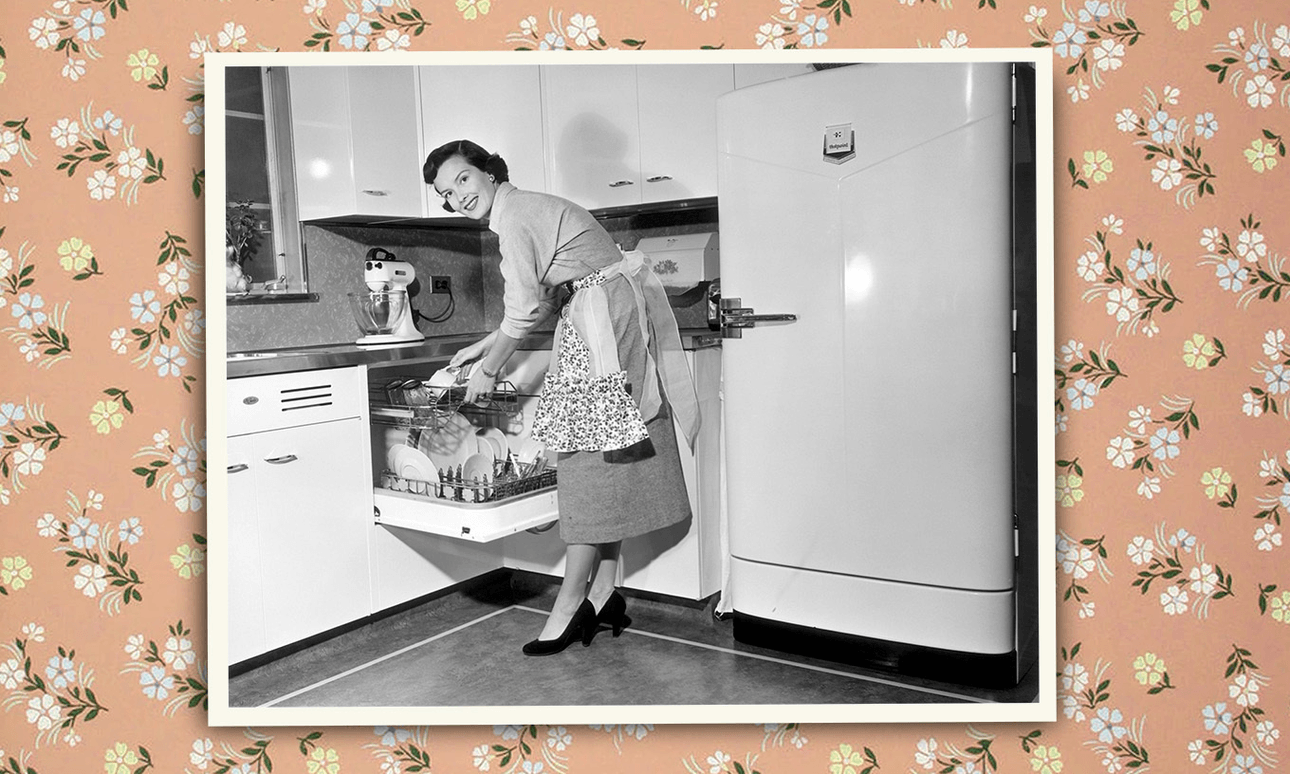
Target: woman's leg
x=579, y=560
x=605, y=575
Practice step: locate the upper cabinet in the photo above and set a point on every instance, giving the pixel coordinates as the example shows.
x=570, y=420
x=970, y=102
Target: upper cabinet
x=357, y=137
x=496, y=106
x=622, y=134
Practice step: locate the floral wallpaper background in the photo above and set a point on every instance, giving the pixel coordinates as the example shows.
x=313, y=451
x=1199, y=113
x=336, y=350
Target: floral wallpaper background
x=1173, y=384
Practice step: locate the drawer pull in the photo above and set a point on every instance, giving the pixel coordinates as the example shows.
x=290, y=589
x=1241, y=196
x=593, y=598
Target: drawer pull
x=375, y=192
x=621, y=183
x=238, y=468
x=658, y=178
x=283, y=460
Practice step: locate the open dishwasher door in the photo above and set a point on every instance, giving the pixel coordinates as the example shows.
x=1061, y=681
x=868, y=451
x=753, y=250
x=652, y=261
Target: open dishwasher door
x=869, y=442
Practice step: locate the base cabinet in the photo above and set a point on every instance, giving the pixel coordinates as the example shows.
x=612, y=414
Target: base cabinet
x=300, y=507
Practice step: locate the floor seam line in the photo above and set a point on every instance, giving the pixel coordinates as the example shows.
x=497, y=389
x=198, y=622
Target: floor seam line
x=386, y=657
x=785, y=662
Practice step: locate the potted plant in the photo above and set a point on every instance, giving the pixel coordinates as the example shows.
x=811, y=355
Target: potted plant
x=241, y=238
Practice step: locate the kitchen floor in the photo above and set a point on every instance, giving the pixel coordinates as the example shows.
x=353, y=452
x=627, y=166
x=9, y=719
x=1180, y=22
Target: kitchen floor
x=463, y=649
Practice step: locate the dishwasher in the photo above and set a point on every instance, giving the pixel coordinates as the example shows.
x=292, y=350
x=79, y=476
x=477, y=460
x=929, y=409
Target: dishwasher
x=455, y=469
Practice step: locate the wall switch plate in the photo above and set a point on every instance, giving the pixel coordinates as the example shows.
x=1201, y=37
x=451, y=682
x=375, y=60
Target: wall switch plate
x=440, y=284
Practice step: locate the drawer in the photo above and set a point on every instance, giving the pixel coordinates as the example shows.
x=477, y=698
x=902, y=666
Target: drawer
x=275, y=401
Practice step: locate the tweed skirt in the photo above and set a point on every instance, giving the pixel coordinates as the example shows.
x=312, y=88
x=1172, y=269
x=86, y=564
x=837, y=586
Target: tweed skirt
x=603, y=501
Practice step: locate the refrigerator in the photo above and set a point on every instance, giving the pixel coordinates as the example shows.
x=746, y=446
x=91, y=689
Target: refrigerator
x=869, y=437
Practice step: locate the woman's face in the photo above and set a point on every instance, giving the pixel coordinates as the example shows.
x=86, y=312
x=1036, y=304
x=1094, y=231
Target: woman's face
x=466, y=188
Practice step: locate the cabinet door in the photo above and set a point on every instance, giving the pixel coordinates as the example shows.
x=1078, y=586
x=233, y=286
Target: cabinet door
x=385, y=127
x=678, y=128
x=321, y=141
x=592, y=134
x=685, y=560
x=314, y=499
x=246, y=634
x=497, y=106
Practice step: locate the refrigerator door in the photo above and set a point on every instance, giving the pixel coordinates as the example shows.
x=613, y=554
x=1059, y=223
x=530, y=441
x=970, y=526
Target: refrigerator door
x=869, y=443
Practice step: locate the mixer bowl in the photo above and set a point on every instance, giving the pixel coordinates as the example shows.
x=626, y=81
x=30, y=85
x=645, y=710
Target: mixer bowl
x=378, y=312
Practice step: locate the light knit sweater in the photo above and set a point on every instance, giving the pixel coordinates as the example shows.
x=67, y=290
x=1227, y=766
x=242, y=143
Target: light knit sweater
x=545, y=241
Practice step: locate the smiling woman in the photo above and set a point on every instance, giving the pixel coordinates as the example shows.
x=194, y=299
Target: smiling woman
x=617, y=377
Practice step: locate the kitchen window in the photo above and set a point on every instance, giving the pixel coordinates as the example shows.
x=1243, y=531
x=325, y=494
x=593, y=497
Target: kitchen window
x=262, y=224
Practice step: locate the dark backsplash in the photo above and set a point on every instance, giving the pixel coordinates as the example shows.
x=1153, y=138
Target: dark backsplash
x=468, y=255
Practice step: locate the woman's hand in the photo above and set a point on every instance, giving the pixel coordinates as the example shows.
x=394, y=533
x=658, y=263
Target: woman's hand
x=479, y=389
x=473, y=352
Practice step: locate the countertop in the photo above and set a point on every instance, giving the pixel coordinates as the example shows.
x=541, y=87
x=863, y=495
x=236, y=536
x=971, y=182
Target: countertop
x=275, y=361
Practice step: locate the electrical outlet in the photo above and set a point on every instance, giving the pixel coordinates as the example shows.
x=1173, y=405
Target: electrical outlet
x=439, y=284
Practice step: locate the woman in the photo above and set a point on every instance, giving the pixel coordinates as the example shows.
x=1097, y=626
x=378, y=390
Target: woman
x=617, y=376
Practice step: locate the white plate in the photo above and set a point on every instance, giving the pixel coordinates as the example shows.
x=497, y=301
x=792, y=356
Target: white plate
x=495, y=441
x=413, y=464
x=450, y=444
x=477, y=469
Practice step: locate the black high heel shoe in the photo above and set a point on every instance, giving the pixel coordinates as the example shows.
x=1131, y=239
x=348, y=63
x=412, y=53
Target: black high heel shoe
x=582, y=624
x=614, y=613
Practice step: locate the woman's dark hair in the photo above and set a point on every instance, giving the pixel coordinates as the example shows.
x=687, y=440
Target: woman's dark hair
x=474, y=155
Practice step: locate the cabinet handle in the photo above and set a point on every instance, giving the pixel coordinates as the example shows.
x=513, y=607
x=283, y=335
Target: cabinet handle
x=283, y=460
x=375, y=192
x=621, y=183
x=238, y=468
x=658, y=178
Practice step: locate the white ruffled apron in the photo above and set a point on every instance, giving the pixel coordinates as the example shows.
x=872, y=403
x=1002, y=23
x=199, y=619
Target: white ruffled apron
x=585, y=405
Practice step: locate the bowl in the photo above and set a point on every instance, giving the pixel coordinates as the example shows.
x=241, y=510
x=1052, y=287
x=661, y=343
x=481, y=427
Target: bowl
x=378, y=311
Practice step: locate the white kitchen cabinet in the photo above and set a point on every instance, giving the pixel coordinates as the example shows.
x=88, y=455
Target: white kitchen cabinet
x=246, y=631
x=622, y=134
x=357, y=141
x=497, y=106
x=300, y=507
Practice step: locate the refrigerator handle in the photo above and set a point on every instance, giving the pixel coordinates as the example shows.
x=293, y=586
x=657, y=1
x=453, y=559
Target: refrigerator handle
x=730, y=317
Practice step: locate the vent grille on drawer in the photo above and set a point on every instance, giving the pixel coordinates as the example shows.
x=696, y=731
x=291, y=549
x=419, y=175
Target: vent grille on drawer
x=299, y=398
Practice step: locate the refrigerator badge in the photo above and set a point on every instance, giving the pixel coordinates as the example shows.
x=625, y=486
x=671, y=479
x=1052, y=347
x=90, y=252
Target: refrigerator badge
x=839, y=143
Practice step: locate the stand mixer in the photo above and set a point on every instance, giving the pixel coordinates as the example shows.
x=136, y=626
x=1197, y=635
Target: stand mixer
x=384, y=313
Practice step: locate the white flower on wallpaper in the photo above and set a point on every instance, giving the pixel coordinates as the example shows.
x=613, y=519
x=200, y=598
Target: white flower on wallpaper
x=1176, y=559
x=1134, y=289
x=1079, y=559
x=1081, y=376
x=1089, y=41
x=1244, y=265
x=177, y=469
x=1084, y=696
x=1254, y=62
x=1270, y=395
x=1149, y=444
x=1238, y=736
x=1170, y=140
x=166, y=332
x=115, y=167
x=98, y=550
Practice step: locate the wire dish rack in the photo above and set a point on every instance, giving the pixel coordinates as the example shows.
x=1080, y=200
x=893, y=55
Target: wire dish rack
x=422, y=409
x=414, y=404
x=511, y=479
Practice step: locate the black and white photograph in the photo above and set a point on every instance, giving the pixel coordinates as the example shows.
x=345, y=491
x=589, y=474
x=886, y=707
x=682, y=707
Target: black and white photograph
x=689, y=387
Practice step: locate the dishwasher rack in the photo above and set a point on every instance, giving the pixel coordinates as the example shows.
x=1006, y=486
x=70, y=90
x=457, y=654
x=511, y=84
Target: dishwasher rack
x=414, y=405
x=510, y=481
